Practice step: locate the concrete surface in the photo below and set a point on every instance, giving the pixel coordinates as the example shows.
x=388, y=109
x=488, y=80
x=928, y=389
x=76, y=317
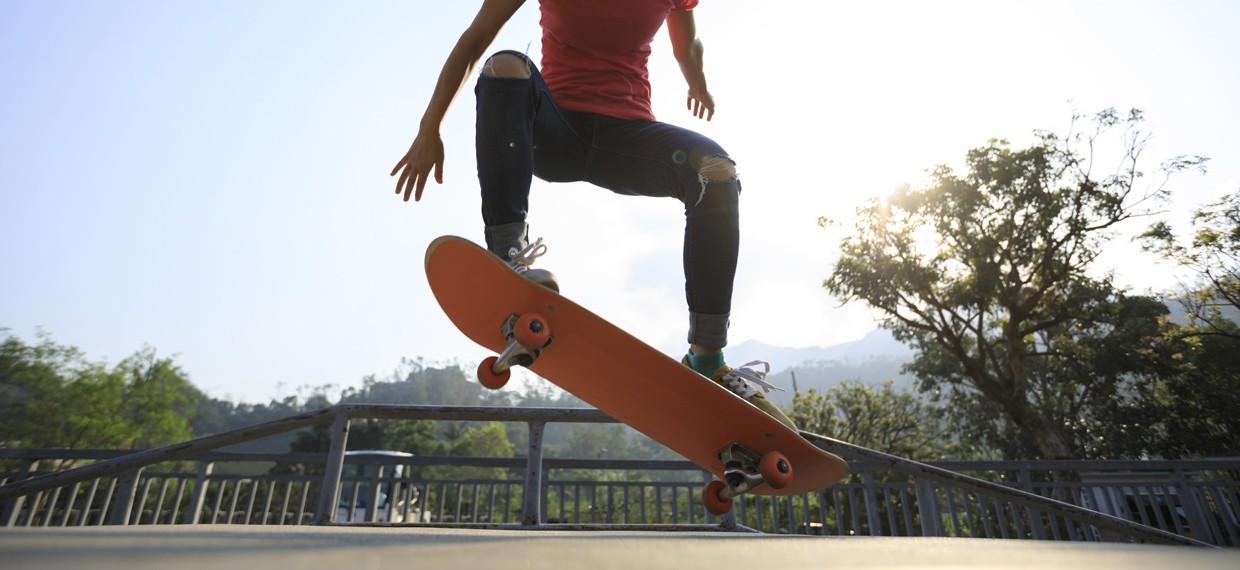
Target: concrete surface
x=234, y=547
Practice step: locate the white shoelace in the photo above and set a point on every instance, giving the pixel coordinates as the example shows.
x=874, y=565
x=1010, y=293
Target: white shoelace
x=522, y=259
x=742, y=380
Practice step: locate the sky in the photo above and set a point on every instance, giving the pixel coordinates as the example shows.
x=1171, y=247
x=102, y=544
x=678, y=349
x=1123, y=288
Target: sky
x=210, y=178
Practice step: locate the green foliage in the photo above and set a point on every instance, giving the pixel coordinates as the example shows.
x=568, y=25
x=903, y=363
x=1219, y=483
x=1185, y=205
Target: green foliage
x=605, y=441
x=887, y=419
x=416, y=437
x=486, y=440
x=1213, y=255
x=415, y=382
x=52, y=396
x=1188, y=407
x=1083, y=388
x=987, y=274
x=1195, y=405
x=1185, y=407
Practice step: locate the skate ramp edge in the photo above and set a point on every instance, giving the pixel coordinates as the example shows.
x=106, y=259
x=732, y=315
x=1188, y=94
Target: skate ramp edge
x=310, y=548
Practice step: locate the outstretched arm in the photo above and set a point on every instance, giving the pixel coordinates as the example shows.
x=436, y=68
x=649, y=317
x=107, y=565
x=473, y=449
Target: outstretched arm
x=688, y=51
x=426, y=153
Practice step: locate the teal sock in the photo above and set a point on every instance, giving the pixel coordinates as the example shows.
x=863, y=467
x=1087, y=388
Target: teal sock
x=705, y=364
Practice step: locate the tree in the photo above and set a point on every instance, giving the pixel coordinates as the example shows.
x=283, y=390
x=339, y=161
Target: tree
x=987, y=273
x=367, y=434
x=51, y=396
x=1188, y=407
x=485, y=440
x=1213, y=255
x=1089, y=389
x=887, y=420
x=416, y=382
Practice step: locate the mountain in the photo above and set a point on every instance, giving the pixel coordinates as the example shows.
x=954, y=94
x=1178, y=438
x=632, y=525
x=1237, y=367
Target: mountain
x=878, y=342
x=874, y=359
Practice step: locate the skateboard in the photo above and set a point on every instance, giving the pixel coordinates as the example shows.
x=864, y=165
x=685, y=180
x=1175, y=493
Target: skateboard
x=528, y=325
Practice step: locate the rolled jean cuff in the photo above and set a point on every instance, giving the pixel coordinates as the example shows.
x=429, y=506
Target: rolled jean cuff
x=503, y=237
x=708, y=331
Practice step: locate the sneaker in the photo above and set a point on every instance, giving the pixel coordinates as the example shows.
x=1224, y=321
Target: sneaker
x=521, y=259
x=742, y=382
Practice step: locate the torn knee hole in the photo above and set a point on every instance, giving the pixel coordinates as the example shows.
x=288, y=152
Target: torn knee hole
x=714, y=169
x=717, y=168
x=506, y=65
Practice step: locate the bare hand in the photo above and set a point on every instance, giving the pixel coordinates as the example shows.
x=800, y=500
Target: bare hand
x=701, y=104
x=425, y=154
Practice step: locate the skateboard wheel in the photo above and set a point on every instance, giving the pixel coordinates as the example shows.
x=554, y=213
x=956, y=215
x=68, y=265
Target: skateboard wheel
x=776, y=470
x=487, y=376
x=715, y=503
x=531, y=331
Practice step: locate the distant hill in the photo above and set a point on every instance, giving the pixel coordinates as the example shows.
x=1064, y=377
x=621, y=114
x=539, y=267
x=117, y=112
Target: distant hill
x=878, y=342
x=874, y=359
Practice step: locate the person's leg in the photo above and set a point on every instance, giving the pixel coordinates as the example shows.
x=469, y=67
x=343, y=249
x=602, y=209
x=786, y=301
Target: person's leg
x=658, y=159
x=515, y=116
x=504, y=146
x=712, y=239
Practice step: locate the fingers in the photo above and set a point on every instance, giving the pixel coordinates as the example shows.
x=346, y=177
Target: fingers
x=423, y=159
x=402, y=183
x=412, y=180
x=421, y=184
x=409, y=180
x=403, y=161
x=404, y=174
x=700, y=109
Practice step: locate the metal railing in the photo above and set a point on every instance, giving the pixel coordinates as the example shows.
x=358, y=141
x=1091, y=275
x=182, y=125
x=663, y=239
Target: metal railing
x=1159, y=501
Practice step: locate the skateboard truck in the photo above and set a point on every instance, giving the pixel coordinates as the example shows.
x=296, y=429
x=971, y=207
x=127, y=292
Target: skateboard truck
x=743, y=471
x=528, y=335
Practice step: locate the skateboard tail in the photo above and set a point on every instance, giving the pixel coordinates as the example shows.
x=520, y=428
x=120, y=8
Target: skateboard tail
x=457, y=286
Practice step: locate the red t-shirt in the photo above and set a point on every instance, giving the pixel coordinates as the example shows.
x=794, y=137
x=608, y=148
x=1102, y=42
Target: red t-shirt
x=594, y=53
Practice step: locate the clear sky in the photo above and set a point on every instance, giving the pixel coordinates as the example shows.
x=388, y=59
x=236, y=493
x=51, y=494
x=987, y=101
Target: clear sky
x=211, y=177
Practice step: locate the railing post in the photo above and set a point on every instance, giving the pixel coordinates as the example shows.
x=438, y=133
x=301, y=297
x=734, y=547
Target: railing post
x=194, y=514
x=928, y=506
x=1036, y=528
x=873, y=520
x=531, y=509
x=1192, y=508
x=330, y=490
x=122, y=509
x=372, y=499
x=13, y=507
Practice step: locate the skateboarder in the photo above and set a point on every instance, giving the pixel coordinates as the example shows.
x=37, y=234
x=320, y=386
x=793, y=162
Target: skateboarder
x=586, y=116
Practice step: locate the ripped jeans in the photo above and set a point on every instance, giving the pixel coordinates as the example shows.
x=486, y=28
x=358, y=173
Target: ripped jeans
x=522, y=132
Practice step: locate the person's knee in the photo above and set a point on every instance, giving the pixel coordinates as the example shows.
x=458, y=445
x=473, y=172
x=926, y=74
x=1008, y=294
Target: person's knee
x=506, y=65
x=717, y=169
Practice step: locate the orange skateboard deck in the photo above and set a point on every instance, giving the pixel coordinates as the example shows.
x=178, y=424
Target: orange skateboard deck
x=610, y=369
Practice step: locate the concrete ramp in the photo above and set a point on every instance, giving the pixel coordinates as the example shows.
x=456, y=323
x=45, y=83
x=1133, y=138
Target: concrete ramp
x=223, y=547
